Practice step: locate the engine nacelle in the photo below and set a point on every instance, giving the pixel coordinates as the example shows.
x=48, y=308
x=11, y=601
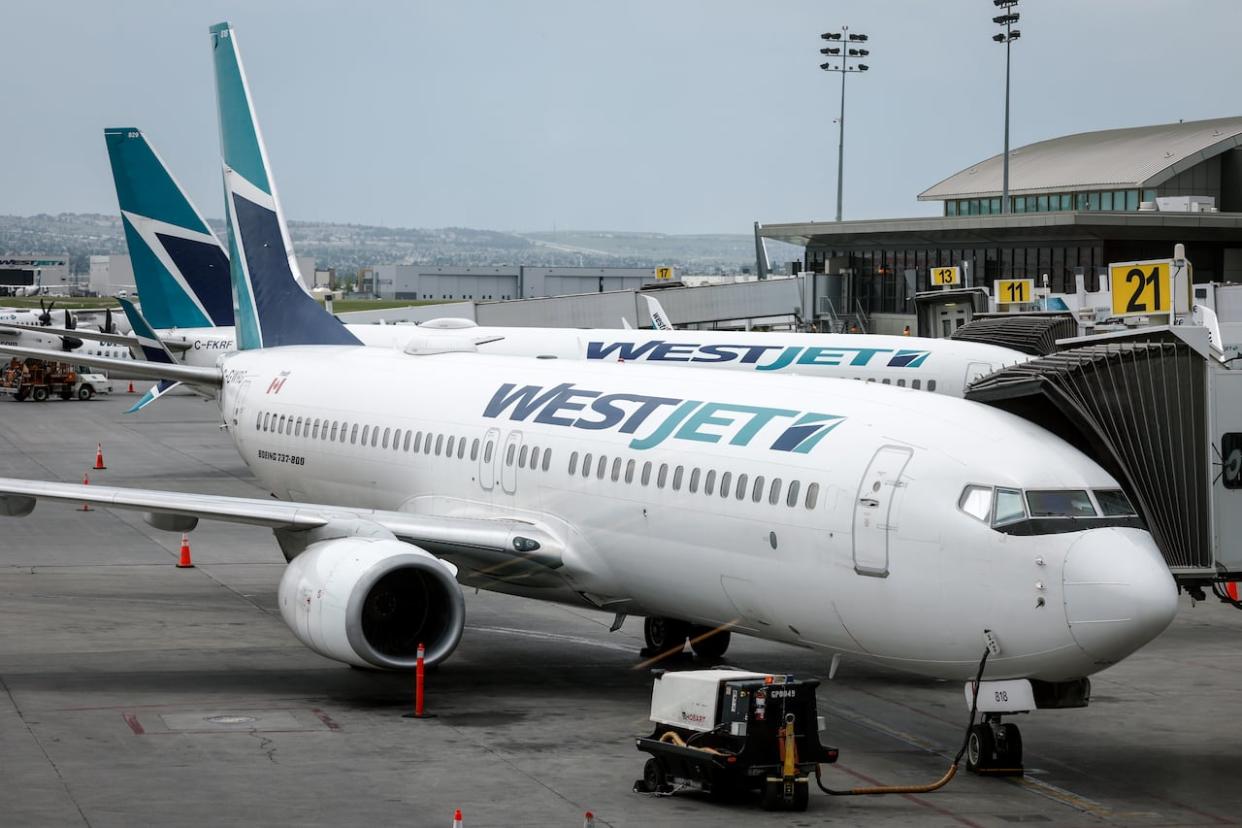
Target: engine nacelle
x=371, y=601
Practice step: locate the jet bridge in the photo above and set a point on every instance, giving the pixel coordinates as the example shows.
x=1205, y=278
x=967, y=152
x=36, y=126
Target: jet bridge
x=1157, y=409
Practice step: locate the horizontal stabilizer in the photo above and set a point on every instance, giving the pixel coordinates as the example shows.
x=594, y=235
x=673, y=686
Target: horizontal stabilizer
x=210, y=377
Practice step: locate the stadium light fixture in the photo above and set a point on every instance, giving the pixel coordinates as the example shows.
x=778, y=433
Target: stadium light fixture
x=844, y=67
x=1006, y=37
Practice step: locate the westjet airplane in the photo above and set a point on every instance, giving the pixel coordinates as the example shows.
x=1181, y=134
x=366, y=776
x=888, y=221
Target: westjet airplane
x=181, y=271
x=823, y=513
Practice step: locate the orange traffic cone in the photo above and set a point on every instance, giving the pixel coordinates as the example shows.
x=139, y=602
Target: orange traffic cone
x=589, y=820
x=86, y=507
x=131, y=387
x=185, y=562
x=99, y=464
x=457, y=818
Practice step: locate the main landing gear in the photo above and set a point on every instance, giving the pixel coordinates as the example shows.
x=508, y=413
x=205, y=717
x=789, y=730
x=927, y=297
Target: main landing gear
x=994, y=749
x=665, y=634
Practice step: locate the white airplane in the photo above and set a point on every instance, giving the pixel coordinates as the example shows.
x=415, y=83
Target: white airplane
x=33, y=329
x=823, y=513
x=181, y=270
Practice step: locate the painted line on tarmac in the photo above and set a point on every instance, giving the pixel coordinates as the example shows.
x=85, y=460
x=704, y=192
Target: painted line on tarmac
x=574, y=639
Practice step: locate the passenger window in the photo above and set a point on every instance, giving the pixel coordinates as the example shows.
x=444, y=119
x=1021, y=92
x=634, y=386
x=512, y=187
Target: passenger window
x=521, y=454
x=461, y=448
x=887, y=381
x=677, y=473
x=709, y=484
x=616, y=469
x=297, y=429
x=573, y=463
x=280, y=429
x=901, y=383
x=586, y=464
x=409, y=435
x=725, y=480
x=916, y=384
x=509, y=452
x=487, y=454
x=756, y=491
x=258, y=422
x=662, y=477
x=1065, y=503
x=374, y=436
x=931, y=385
x=266, y=418
x=774, y=496
x=1008, y=507
x=474, y=449
x=1114, y=503
x=629, y=471
x=646, y=478
x=694, y=480
x=547, y=458
x=448, y=449
x=332, y=436
x=976, y=501
x=366, y=431
x=418, y=442
x=741, y=487
x=534, y=457
x=387, y=434
x=315, y=430
x=440, y=445
x=812, y=495
x=353, y=434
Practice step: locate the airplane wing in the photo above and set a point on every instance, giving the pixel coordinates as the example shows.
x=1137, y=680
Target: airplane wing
x=502, y=545
x=76, y=333
x=210, y=377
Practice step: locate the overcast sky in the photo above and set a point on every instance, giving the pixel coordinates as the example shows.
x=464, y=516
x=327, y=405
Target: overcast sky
x=663, y=116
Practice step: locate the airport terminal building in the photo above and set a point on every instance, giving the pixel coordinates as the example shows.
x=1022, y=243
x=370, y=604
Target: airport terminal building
x=1078, y=202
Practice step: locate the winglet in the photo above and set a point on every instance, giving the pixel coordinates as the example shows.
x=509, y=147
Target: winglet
x=659, y=319
x=153, y=350
x=271, y=304
x=180, y=267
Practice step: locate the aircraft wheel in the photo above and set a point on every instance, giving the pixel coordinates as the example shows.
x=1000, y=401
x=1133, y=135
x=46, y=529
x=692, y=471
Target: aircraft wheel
x=980, y=749
x=1009, y=749
x=713, y=646
x=664, y=634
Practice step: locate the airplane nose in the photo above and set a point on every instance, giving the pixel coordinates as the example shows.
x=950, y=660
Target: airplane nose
x=1118, y=591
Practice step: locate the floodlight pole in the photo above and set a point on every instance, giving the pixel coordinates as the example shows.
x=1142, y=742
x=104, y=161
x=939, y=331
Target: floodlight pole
x=841, y=149
x=1005, y=194
x=1006, y=19
x=850, y=48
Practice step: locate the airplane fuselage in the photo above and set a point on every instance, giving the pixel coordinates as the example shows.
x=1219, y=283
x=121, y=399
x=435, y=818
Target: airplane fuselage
x=819, y=513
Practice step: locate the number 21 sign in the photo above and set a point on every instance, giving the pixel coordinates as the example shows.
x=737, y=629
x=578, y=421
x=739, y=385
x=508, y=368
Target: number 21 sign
x=1141, y=288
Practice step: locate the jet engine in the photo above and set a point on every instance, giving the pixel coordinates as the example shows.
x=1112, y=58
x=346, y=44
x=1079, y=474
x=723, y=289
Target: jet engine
x=371, y=601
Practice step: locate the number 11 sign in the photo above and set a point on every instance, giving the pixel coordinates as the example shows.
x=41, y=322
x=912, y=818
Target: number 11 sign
x=1014, y=291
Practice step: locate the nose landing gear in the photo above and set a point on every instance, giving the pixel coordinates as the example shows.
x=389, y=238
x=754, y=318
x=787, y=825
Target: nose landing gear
x=994, y=748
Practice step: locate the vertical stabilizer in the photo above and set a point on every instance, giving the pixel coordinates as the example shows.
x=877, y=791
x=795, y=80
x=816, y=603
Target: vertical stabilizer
x=180, y=268
x=271, y=305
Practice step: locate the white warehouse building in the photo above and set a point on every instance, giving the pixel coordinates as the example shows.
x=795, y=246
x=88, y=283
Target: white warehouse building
x=498, y=283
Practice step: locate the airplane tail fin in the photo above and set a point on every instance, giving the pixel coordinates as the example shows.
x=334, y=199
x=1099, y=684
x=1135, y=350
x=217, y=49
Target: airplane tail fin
x=153, y=350
x=272, y=306
x=180, y=267
x=659, y=319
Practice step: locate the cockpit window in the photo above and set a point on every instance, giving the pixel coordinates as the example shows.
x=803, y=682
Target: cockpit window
x=1114, y=503
x=1008, y=506
x=976, y=501
x=1060, y=503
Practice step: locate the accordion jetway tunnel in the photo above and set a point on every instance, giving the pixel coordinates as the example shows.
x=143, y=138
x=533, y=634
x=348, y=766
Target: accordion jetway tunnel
x=1160, y=411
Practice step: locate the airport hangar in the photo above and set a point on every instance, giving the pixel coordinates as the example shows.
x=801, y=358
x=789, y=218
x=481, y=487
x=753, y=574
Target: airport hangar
x=1078, y=202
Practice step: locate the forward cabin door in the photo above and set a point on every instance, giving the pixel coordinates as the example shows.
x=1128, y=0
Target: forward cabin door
x=487, y=459
x=873, y=510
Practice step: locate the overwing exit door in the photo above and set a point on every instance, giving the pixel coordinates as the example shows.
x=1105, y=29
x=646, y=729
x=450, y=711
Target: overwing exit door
x=873, y=510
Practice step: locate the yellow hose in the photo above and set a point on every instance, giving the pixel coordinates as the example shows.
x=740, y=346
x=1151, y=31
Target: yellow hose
x=892, y=789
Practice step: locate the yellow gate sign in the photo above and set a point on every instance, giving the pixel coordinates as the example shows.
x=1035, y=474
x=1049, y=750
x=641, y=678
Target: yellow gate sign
x=664, y=274
x=1014, y=291
x=1141, y=288
x=946, y=275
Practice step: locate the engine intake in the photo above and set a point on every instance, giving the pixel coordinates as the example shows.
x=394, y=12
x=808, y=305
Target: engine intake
x=371, y=601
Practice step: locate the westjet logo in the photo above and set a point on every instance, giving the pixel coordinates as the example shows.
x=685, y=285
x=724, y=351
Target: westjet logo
x=653, y=420
x=762, y=357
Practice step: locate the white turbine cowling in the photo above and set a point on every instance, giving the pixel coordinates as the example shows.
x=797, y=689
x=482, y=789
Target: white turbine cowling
x=371, y=601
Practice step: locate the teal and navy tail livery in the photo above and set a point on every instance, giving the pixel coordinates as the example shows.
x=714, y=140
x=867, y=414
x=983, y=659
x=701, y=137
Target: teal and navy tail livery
x=153, y=350
x=271, y=306
x=180, y=268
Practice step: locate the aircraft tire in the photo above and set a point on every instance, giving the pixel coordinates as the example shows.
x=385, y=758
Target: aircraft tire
x=714, y=646
x=663, y=634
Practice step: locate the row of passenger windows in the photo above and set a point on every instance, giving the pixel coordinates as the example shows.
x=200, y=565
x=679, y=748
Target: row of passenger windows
x=901, y=382
x=742, y=487
x=408, y=440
